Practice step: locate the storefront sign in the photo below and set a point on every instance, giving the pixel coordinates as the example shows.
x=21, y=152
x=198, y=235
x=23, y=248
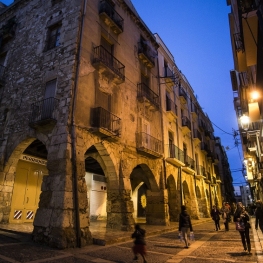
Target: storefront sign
x=33, y=159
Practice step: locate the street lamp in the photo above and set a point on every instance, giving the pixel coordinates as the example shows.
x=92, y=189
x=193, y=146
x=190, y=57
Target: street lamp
x=244, y=121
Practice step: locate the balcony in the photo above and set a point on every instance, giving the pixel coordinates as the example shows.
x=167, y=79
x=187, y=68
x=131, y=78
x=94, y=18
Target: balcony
x=201, y=125
x=238, y=40
x=104, y=122
x=200, y=172
x=148, y=145
x=211, y=156
x=43, y=113
x=204, y=147
x=247, y=5
x=197, y=136
x=169, y=77
x=213, y=181
x=2, y=75
x=108, y=65
x=146, y=54
x=110, y=17
x=186, y=125
x=171, y=109
x=189, y=165
x=208, y=134
x=146, y=95
x=175, y=155
x=208, y=178
x=194, y=111
x=182, y=95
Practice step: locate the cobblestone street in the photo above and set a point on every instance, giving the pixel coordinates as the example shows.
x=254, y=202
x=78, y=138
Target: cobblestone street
x=210, y=246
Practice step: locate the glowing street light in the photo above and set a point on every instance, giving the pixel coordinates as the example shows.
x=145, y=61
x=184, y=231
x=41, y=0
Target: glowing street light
x=244, y=121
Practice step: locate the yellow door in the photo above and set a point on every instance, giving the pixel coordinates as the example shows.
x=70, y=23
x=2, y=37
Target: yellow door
x=26, y=192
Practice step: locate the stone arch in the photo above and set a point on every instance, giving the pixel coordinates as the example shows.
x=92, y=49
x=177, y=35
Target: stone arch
x=172, y=198
x=33, y=169
x=146, y=195
x=99, y=153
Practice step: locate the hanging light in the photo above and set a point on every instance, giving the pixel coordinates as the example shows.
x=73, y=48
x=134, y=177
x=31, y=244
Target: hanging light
x=244, y=121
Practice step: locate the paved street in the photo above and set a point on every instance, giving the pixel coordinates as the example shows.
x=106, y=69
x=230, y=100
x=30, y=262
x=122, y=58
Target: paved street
x=210, y=246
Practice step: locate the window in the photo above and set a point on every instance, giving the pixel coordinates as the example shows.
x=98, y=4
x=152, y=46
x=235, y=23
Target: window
x=50, y=90
x=53, y=39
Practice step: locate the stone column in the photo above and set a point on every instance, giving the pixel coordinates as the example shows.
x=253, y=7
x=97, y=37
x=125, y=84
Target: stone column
x=157, y=210
x=55, y=221
x=120, y=210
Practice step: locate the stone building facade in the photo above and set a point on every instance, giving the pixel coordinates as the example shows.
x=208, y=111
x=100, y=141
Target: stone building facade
x=97, y=122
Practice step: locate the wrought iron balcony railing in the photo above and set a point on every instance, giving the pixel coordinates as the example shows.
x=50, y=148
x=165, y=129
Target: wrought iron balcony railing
x=246, y=6
x=145, y=141
x=189, y=162
x=175, y=152
x=182, y=93
x=186, y=122
x=197, y=135
x=103, y=119
x=109, y=10
x=239, y=45
x=43, y=112
x=201, y=125
x=171, y=106
x=204, y=147
x=201, y=170
x=145, y=91
x=208, y=177
x=194, y=108
x=104, y=56
x=146, y=54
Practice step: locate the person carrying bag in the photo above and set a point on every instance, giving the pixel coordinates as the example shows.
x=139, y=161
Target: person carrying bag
x=241, y=219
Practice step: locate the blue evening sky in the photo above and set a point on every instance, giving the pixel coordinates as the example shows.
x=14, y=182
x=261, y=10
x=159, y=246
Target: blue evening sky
x=197, y=34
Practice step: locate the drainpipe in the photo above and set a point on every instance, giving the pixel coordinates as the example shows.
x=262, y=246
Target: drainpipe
x=162, y=128
x=73, y=131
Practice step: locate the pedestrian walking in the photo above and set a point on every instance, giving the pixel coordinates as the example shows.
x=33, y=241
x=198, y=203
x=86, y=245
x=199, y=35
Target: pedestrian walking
x=185, y=225
x=215, y=214
x=241, y=217
x=139, y=243
x=259, y=215
x=225, y=212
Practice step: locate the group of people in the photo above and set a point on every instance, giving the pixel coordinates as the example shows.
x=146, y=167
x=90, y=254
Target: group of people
x=240, y=217
x=225, y=211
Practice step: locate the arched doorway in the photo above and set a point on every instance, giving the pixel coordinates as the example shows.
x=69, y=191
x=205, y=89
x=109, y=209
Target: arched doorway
x=30, y=170
x=142, y=182
x=96, y=186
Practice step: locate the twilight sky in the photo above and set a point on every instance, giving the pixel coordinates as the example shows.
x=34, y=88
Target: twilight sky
x=197, y=34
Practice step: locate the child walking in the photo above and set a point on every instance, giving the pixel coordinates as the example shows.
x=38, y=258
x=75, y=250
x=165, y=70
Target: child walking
x=139, y=243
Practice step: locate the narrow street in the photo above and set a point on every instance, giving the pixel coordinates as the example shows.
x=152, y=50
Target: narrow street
x=209, y=246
